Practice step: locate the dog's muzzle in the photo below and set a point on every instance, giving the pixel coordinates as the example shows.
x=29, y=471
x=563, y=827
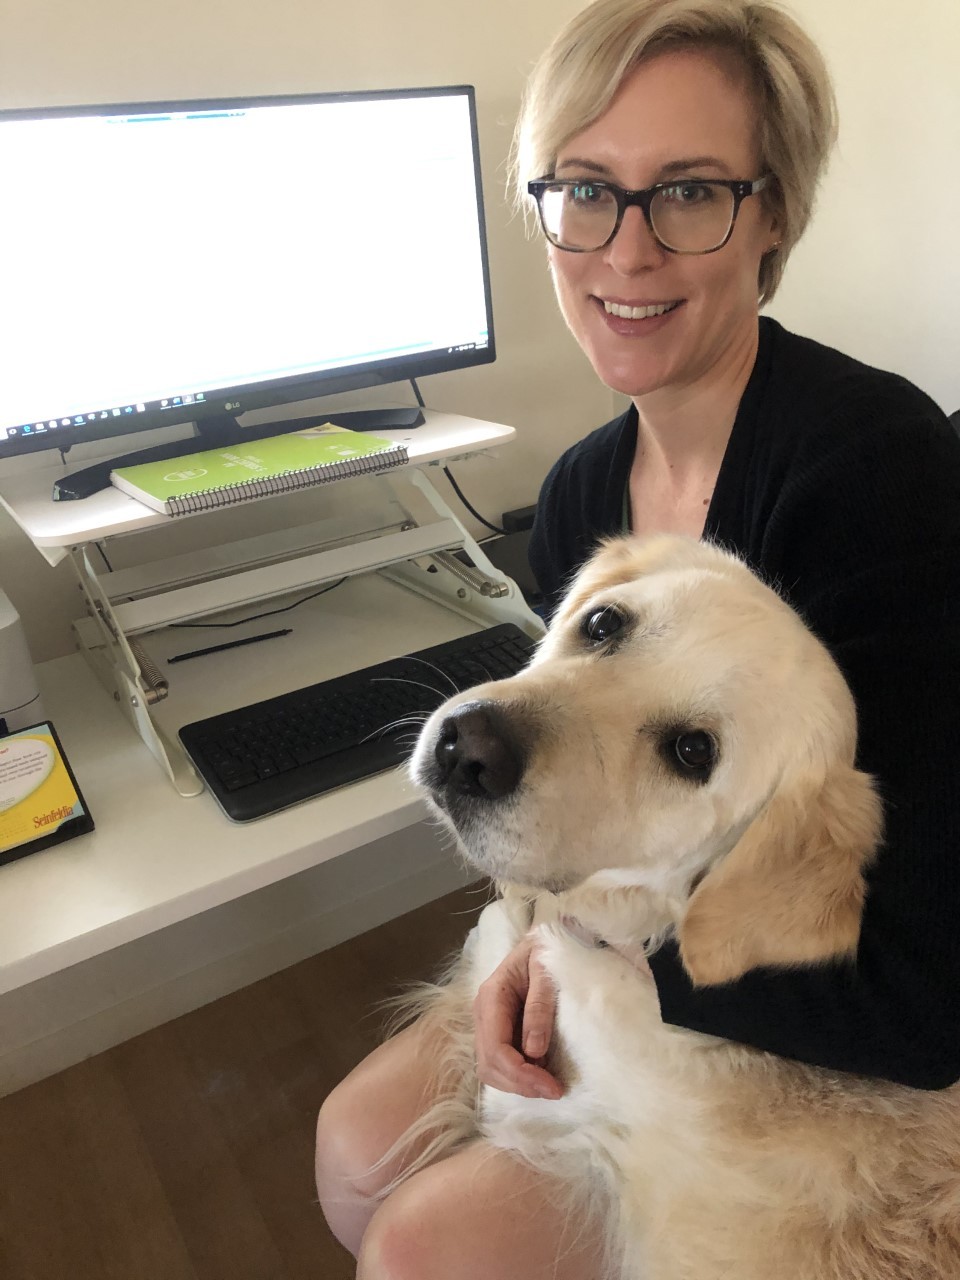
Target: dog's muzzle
x=478, y=755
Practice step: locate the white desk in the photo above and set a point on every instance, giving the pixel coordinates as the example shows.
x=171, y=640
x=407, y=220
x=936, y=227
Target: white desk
x=159, y=860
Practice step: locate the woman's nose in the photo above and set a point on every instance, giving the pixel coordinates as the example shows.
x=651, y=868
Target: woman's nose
x=634, y=248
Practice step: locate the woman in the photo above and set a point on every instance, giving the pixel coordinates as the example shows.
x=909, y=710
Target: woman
x=680, y=143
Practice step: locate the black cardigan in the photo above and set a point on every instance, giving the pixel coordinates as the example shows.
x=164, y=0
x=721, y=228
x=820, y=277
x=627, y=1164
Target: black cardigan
x=841, y=485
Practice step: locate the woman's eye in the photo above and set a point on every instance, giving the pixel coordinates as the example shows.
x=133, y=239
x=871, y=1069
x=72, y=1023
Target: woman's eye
x=687, y=193
x=602, y=624
x=695, y=751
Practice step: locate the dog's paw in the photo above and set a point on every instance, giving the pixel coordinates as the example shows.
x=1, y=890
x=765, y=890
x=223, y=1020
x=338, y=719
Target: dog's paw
x=617, y=914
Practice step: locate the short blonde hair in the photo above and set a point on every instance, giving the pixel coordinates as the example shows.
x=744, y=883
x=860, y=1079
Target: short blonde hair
x=577, y=77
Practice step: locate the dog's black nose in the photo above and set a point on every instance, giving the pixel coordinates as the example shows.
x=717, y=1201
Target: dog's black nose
x=478, y=753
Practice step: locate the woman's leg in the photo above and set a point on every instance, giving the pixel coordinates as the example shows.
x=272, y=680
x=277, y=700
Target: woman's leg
x=362, y=1118
x=479, y=1215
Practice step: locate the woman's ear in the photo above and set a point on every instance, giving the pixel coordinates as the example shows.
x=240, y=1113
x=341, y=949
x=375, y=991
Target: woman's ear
x=774, y=221
x=791, y=890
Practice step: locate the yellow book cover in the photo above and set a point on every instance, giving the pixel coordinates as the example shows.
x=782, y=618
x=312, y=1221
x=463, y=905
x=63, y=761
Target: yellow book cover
x=40, y=802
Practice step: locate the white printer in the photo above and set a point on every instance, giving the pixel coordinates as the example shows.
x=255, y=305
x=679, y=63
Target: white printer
x=20, y=703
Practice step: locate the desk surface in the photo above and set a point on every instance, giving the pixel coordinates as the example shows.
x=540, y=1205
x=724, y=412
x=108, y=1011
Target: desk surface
x=157, y=858
x=52, y=525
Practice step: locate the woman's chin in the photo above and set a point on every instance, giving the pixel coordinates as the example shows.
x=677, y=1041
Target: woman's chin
x=631, y=381
x=632, y=367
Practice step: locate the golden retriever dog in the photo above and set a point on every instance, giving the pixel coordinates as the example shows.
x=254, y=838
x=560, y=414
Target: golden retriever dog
x=678, y=760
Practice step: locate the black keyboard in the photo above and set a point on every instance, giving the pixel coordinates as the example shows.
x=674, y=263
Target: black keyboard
x=276, y=753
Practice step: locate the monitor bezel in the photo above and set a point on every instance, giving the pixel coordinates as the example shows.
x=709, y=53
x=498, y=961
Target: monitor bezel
x=274, y=393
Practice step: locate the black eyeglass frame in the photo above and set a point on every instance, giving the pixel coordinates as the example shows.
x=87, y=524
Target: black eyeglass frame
x=740, y=188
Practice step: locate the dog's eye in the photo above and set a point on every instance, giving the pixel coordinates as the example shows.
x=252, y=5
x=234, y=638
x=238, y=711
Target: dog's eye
x=602, y=624
x=696, y=751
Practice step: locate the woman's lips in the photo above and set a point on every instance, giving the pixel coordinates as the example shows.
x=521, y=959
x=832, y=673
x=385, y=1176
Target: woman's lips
x=631, y=320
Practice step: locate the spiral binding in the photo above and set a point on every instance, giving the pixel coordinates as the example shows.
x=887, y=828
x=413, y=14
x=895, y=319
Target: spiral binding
x=289, y=482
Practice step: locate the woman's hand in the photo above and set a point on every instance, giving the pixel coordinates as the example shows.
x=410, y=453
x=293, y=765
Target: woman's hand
x=520, y=986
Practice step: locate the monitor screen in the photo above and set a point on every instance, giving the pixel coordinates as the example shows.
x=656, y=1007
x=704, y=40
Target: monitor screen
x=165, y=262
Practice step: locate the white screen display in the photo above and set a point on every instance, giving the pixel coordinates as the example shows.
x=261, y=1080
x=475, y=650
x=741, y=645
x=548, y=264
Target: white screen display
x=167, y=255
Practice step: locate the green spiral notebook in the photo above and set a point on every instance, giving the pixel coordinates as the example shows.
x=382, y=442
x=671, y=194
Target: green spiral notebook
x=240, y=473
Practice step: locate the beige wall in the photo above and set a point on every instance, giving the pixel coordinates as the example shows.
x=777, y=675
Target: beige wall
x=861, y=280
x=878, y=273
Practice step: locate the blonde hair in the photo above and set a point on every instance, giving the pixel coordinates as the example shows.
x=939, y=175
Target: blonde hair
x=577, y=77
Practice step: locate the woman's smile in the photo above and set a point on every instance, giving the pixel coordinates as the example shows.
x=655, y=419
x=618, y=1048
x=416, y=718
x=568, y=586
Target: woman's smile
x=636, y=319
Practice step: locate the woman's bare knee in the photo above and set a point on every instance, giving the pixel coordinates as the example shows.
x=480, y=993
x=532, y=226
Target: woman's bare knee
x=360, y=1121
x=479, y=1215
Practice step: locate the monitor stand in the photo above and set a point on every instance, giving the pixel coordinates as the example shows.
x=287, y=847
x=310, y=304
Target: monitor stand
x=223, y=430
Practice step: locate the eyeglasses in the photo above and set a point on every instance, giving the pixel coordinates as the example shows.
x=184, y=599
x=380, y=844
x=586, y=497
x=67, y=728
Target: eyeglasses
x=688, y=216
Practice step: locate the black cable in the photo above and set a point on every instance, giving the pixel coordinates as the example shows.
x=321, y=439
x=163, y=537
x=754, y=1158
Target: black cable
x=99, y=546
x=256, y=616
x=456, y=488
x=476, y=514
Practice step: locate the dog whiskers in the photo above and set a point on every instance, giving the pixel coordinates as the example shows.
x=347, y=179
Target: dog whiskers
x=486, y=887
x=415, y=718
x=439, y=671
x=412, y=720
x=417, y=684
x=485, y=890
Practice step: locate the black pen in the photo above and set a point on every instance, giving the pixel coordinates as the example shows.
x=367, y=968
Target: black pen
x=230, y=644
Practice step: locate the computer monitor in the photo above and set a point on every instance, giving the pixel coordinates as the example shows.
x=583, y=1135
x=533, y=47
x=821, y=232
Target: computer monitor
x=190, y=261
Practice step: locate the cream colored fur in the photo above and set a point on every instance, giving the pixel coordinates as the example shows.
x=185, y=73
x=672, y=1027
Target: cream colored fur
x=709, y=1160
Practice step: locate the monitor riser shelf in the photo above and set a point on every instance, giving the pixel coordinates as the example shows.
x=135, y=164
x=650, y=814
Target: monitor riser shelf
x=415, y=551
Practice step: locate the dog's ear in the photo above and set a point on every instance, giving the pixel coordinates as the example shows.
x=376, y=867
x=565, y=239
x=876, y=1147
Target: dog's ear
x=791, y=890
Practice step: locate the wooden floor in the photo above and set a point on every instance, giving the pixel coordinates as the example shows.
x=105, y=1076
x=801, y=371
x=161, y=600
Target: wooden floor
x=187, y=1153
